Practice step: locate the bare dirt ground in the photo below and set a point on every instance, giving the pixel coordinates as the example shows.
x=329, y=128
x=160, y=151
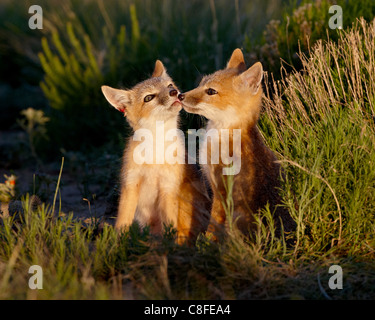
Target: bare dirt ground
x=71, y=198
x=70, y=191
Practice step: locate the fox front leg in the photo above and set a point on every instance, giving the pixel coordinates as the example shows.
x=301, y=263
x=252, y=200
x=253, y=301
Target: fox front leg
x=169, y=206
x=127, y=206
x=217, y=219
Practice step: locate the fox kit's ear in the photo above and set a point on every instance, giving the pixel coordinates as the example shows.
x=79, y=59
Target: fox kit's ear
x=120, y=99
x=237, y=61
x=252, y=77
x=159, y=70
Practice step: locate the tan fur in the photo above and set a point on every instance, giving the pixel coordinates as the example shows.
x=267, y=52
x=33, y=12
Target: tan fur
x=157, y=194
x=237, y=105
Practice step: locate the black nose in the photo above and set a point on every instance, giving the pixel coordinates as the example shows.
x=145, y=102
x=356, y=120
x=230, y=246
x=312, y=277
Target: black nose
x=181, y=96
x=173, y=92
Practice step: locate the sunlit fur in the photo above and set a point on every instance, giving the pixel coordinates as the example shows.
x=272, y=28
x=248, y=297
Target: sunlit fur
x=157, y=194
x=237, y=105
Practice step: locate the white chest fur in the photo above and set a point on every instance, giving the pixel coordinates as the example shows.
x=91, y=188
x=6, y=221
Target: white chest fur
x=161, y=173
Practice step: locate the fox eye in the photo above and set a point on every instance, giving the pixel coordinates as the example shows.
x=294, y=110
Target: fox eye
x=211, y=91
x=149, y=98
x=170, y=86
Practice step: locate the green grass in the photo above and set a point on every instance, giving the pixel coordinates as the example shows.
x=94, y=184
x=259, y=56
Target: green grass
x=320, y=122
x=80, y=262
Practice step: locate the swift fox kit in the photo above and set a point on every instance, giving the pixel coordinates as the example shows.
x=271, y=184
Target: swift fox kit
x=156, y=193
x=231, y=99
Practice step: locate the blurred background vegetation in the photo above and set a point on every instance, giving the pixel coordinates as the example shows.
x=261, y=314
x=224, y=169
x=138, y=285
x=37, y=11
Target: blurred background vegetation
x=319, y=121
x=85, y=44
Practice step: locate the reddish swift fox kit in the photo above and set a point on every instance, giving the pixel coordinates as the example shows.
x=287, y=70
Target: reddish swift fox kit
x=157, y=192
x=231, y=99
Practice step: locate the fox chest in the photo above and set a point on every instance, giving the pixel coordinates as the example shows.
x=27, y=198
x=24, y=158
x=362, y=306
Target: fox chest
x=220, y=154
x=151, y=178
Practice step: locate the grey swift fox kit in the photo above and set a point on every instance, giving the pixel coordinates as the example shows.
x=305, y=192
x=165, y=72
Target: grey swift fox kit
x=231, y=99
x=157, y=193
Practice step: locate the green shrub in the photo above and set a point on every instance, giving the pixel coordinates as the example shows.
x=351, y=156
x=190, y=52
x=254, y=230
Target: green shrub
x=321, y=122
x=33, y=122
x=73, y=77
x=300, y=28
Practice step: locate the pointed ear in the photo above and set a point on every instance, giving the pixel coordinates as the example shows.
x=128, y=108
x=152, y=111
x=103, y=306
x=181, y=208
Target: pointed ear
x=120, y=99
x=159, y=69
x=237, y=60
x=252, y=77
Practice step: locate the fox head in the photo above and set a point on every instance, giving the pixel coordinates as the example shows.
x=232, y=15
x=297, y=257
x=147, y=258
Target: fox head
x=153, y=99
x=229, y=96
